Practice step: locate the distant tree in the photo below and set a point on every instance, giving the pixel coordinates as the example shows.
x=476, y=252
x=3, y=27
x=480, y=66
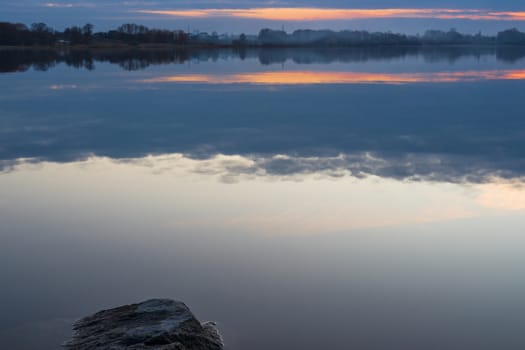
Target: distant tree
x=40, y=27
x=132, y=29
x=180, y=37
x=42, y=34
x=511, y=37
x=242, y=41
x=452, y=37
x=273, y=37
x=87, y=32
x=14, y=34
x=74, y=35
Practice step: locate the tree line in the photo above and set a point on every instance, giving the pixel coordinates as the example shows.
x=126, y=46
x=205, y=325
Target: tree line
x=40, y=34
x=18, y=34
x=270, y=37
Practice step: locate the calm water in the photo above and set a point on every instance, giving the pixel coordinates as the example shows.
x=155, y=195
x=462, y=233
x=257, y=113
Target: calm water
x=303, y=199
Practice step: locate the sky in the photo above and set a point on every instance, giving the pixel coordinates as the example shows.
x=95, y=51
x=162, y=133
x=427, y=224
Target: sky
x=249, y=16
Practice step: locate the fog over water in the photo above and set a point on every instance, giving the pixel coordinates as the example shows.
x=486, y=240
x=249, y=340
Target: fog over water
x=303, y=199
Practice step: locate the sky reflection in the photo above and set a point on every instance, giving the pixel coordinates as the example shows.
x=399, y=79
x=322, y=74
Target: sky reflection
x=305, y=246
x=425, y=115
x=300, y=203
x=392, y=214
x=315, y=77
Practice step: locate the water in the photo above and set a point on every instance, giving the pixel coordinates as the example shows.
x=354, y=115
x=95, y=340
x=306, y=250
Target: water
x=303, y=199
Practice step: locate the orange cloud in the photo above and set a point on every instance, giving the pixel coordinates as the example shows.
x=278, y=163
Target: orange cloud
x=310, y=77
x=512, y=16
x=313, y=14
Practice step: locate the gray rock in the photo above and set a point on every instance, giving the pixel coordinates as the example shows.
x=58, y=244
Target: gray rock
x=157, y=324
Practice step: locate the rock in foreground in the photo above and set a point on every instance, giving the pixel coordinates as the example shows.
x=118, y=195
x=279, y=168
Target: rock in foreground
x=157, y=324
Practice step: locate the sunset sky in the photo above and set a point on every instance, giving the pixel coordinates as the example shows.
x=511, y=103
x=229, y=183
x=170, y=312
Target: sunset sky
x=235, y=16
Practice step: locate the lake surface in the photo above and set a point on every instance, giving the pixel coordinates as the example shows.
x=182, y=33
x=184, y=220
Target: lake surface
x=303, y=199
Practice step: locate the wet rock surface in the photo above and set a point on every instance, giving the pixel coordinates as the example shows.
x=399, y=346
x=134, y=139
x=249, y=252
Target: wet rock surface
x=160, y=324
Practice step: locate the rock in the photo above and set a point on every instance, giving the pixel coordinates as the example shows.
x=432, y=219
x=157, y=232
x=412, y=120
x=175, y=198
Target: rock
x=157, y=324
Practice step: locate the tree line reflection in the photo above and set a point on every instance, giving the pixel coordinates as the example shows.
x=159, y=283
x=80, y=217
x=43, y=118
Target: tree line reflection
x=21, y=60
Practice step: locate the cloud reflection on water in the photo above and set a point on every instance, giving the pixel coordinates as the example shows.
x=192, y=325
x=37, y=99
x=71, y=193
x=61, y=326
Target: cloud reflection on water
x=316, y=77
x=313, y=201
x=404, y=118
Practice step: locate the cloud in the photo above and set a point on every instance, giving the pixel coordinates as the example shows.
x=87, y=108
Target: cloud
x=67, y=5
x=63, y=86
x=316, y=14
x=412, y=167
x=54, y=4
